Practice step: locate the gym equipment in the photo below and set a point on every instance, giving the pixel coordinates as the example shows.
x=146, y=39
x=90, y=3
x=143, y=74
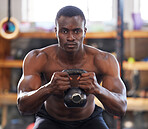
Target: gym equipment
x=30, y=126
x=9, y=27
x=75, y=97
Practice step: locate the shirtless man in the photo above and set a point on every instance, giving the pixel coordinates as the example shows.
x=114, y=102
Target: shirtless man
x=42, y=85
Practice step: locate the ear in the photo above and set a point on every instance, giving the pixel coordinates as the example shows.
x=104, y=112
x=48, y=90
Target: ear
x=55, y=29
x=85, y=29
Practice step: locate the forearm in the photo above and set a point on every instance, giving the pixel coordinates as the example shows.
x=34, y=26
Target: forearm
x=31, y=102
x=114, y=103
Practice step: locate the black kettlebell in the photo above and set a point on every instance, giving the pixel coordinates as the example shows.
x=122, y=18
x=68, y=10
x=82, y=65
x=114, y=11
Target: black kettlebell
x=75, y=97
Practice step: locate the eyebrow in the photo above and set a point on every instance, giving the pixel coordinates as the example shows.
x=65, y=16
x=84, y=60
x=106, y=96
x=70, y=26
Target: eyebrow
x=77, y=29
x=72, y=29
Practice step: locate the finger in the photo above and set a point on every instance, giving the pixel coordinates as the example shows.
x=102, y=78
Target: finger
x=62, y=79
x=86, y=78
x=78, y=78
x=88, y=74
x=85, y=82
x=63, y=87
x=65, y=74
x=59, y=83
x=61, y=74
x=85, y=74
x=84, y=87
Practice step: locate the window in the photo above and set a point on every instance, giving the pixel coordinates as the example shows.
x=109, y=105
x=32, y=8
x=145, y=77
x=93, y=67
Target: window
x=45, y=10
x=144, y=9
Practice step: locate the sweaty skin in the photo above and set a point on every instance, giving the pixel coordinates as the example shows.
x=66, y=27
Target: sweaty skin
x=42, y=81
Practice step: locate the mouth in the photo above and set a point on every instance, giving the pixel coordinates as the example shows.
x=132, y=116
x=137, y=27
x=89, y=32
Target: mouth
x=71, y=45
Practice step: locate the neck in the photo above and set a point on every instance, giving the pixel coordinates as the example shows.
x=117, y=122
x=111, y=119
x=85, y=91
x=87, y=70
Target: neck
x=70, y=57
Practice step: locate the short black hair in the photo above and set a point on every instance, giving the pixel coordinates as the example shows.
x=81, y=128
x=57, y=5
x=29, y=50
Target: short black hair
x=70, y=11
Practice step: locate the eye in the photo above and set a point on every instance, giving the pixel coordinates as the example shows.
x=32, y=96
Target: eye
x=77, y=31
x=64, y=31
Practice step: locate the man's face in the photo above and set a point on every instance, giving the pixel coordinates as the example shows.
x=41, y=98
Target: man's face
x=70, y=33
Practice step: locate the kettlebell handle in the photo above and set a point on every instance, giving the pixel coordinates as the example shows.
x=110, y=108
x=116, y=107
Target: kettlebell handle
x=74, y=96
x=74, y=71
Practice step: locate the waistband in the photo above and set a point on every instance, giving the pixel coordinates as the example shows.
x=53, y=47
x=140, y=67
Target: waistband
x=97, y=113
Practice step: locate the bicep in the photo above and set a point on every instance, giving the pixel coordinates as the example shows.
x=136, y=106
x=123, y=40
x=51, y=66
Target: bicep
x=111, y=77
x=29, y=83
x=113, y=84
x=33, y=65
x=30, y=79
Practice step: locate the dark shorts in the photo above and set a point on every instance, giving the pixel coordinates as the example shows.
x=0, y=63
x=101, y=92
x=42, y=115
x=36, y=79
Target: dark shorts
x=95, y=121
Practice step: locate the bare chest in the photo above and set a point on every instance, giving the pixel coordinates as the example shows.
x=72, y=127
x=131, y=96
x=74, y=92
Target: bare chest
x=56, y=66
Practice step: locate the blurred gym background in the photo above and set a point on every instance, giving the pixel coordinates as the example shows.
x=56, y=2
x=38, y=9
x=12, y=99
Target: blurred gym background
x=32, y=26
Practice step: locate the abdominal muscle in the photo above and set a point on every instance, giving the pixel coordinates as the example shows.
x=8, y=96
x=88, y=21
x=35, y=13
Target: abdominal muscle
x=56, y=108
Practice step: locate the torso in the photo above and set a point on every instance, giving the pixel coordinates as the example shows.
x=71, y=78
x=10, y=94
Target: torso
x=55, y=104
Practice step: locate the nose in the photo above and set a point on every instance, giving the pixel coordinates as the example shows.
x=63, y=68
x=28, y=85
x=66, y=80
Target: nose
x=70, y=36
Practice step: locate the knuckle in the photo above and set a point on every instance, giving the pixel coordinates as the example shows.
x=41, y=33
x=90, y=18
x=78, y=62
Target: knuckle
x=65, y=73
x=92, y=74
x=55, y=78
x=56, y=73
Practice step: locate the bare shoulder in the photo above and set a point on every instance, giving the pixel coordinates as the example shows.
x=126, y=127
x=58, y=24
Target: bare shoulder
x=99, y=54
x=36, y=59
x=105, y=62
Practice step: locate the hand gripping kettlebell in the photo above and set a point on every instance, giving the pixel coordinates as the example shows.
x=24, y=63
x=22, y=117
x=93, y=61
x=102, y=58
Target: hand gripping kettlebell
x=75, y=97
